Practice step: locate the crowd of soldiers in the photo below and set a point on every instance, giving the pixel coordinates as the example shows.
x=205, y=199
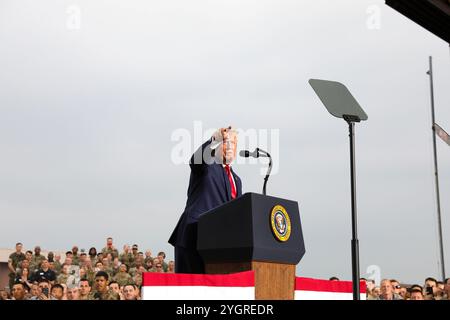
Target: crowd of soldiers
x=110, y=275
x=391, y=289
x=107, y=275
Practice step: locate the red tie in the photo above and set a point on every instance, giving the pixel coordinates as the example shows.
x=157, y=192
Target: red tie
x=230, y=178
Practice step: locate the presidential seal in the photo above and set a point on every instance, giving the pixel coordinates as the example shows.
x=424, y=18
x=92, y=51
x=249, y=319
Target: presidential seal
x=280, y=222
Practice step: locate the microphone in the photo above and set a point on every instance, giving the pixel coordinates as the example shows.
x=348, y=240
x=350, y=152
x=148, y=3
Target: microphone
x=248, y=154
x=256, y=154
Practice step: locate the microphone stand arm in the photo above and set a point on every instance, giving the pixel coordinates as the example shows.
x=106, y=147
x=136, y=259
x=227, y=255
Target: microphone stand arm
x=262, y=153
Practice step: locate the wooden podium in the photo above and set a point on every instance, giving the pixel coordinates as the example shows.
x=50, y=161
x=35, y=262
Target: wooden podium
x=254, y=232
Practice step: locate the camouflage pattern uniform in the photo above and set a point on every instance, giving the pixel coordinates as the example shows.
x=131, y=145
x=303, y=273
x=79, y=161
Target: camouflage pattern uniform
x=132, y=271
x=108, y=295
x=110, y=271
x=123, y=278
x=76, y=260
x=114, y=252
x=90, y=276
x=36, y=261
x=58, y=266
x=84, y=297
x=15, y=259
x=137, y=279
x=127, y=258
x=62, y=278
x=148, y=259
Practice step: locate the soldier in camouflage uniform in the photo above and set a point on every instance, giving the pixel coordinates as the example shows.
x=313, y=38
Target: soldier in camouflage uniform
x=57, y=263
x=36, y=259
x=116, y=265
x=161, y=257
x=122, y=277
x=102, y=292
x=148, y=257
x=155, y=262
x=28, y=256
x=107, y=267
x=83, y=259
x=62, y=278
x=85, y=289
x=114, y=286
x=135, y=252
x=50, y=256
x=75, y=256
x=137, y=278
x=14, y=262
x=22, y=265
x=148, y=265
x=126, y=257
x=110, y=249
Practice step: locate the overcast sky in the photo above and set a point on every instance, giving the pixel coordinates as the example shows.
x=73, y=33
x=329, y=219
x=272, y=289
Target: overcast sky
x=92, y=91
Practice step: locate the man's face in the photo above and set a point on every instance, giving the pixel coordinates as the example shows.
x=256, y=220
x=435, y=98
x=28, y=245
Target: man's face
x=25, y=264
x=37, y=251
x=68, y=261
x=18, y=248
x=115, y=287
x=57, y=257
x=229, y=147
x=28, y=256
x=376, y=291
x=75, y=250
x=44, y=264
x=386, y=288
x=416, y=295
x=85, y=288
x=34, y=291
x=101, y=284
x=43, y=285
x=123, y=268
x=73, y=294
x=370, y=285
x=65, y=269
x=109, y=243
x=430, y=283
x=396, y=286
x=18, y=292
x=148, y=254
x=57, y=293
x=129, y=292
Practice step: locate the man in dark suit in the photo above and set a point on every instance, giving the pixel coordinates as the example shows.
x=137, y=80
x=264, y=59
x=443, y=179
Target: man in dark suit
x=211, y=184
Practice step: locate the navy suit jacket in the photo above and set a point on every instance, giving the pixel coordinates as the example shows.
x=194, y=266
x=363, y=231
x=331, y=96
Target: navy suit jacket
x=209, y=188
